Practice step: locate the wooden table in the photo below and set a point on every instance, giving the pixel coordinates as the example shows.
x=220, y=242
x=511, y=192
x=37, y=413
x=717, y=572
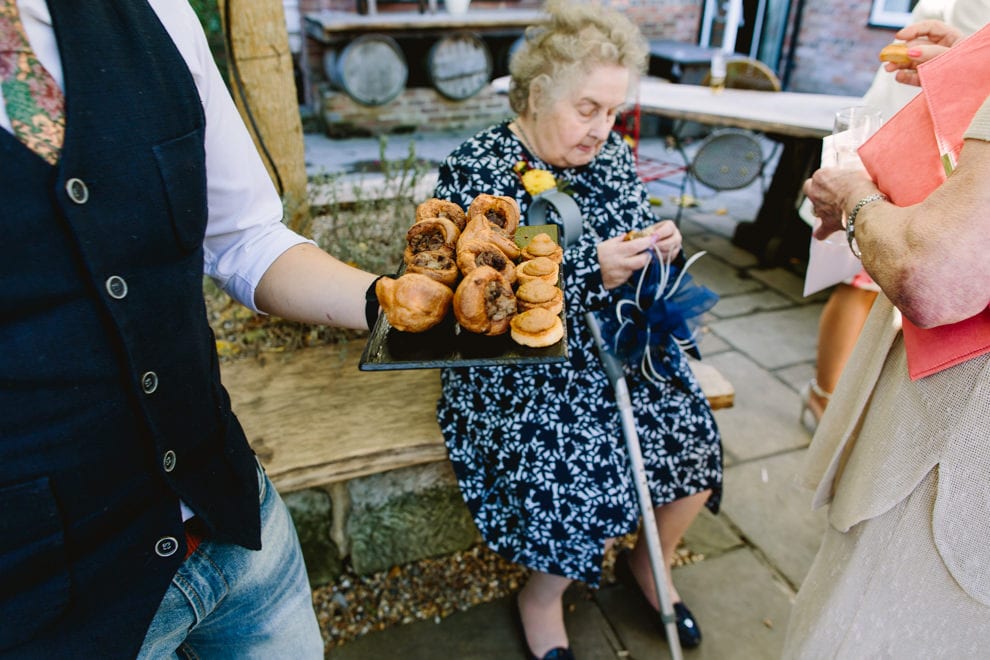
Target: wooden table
x=797, y=120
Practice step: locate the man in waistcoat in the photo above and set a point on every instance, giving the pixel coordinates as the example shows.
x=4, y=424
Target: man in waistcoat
x=135, y=518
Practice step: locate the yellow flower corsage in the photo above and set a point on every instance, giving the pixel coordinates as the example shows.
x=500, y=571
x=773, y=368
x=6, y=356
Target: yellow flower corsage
x=536, y=181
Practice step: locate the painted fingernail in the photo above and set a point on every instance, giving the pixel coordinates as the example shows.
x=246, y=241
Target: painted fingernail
x=914, y=52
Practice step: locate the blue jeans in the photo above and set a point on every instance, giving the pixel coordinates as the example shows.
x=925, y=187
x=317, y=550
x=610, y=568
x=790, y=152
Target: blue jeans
x=229, y=602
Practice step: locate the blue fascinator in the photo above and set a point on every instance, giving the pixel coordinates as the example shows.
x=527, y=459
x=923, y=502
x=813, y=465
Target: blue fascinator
x=656, y=318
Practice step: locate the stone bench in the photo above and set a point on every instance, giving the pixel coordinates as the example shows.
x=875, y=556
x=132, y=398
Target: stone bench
x=359, y=456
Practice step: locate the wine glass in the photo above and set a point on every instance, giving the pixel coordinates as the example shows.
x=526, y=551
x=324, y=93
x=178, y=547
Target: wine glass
x=852, y=127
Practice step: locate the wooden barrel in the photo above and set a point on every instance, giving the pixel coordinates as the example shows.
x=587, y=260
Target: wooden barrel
x=371, y=69
x=459, y=65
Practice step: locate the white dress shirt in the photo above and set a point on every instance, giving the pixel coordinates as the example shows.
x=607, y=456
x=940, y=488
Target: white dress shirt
x=244, y=234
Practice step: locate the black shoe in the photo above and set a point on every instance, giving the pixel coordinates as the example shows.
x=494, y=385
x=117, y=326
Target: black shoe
x=687, y=628
x=688, y=631
x=558, y=653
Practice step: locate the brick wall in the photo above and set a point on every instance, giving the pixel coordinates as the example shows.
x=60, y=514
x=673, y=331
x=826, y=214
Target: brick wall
x=416, y=109
x=836, y=51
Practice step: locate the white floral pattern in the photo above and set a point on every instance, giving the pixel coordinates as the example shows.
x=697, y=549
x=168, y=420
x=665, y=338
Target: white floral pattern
x=538, y=450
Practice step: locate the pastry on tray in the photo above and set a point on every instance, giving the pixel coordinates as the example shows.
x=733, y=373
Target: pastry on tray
x=539, y=293
x=542, y=245
x=433, y=234
x=484, y=302
x=414, y=302
x=474, y=253
x=537, y=328
x=539, y=268
x=441, y=208
x=479, y=229
x=436, y=264
x=499, y=211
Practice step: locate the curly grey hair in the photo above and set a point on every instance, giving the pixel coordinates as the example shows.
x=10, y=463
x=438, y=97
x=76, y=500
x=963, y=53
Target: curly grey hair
x=577, y=38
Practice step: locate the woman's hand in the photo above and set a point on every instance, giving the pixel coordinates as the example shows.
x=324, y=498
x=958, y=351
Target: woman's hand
x=832, y=190
x=926, y=40
x=619, y=258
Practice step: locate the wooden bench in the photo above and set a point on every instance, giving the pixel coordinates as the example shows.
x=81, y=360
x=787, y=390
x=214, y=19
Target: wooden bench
x=315, y=419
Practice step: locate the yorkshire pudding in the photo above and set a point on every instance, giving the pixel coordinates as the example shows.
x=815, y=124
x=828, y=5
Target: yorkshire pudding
x=479, y=229
x=435, y=264
x=474, y=253
x=499, y=211
x=433, y=234
x=441, y=208
x=413, y=302
x=484, y=303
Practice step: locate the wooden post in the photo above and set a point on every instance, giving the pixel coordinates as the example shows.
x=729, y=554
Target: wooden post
x=263, y=87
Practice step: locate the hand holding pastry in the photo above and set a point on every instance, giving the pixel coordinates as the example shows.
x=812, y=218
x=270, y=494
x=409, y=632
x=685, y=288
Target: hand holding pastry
x=923, y=41
x=620, y=258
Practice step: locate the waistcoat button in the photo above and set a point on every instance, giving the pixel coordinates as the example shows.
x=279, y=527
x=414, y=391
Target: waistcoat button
x=116, y=287
x=166, y=546
x=168, y=460
x=149, y=382
x=78, y=192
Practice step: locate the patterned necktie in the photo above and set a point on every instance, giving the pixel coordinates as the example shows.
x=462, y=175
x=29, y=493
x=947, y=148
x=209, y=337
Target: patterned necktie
x=35, y=104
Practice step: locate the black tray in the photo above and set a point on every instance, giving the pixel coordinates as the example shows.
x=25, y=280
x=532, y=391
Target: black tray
x=446, y=345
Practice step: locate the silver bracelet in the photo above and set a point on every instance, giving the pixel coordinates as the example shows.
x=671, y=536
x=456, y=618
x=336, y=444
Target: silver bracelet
x=851, y=221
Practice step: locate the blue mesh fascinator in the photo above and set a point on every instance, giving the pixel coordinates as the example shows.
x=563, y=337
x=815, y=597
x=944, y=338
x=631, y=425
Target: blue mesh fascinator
x=657, y=316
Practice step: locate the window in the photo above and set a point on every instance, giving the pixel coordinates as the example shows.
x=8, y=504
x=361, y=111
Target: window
x=891, y=13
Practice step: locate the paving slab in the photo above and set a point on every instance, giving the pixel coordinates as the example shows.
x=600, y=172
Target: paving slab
x=748, y=303
x=764, y=418
x=719, y=246
x=487, y=632
x=722, y=278
x=774, y=339
x=788, y=283
x=740, y=604
x=763, y=500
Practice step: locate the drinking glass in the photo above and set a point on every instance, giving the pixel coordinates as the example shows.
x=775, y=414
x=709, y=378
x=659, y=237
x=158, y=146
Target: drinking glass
x=852, y=127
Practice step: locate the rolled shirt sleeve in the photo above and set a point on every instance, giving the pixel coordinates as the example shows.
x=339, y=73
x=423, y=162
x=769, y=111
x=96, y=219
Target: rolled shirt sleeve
x=245, y=233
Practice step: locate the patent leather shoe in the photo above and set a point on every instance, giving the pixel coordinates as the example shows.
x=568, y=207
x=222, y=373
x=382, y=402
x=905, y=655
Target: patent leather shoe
x=687, y=628
x=688, y=631
x=558, y=653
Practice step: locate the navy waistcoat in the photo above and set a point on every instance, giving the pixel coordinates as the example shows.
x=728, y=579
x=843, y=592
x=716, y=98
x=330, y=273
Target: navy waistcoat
x=111, y=407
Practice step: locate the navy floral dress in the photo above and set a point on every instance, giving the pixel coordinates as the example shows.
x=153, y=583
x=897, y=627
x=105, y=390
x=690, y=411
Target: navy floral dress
x=538, y=450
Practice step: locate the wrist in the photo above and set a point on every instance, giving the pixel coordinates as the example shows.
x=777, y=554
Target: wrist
x=371, y=305
x=853, y=216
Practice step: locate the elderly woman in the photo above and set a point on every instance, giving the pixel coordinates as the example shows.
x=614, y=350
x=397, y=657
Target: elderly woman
x=538, y=450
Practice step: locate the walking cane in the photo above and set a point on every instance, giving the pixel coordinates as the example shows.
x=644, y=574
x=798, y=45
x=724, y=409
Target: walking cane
x=613, y=367
x=570, y=216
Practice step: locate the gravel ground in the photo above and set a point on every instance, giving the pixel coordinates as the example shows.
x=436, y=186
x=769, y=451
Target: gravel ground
x=429, y=589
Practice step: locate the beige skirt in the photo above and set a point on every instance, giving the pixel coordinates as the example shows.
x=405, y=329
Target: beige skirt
x=881, y=590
